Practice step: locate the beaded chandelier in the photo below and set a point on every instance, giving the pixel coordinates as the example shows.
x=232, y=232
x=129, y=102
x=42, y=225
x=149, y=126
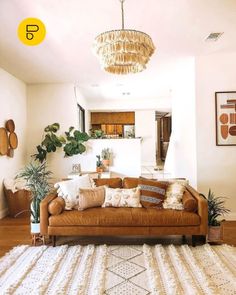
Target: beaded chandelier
x=123, y=51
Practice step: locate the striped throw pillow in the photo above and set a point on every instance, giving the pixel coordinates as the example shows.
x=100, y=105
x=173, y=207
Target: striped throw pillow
x=152, y=193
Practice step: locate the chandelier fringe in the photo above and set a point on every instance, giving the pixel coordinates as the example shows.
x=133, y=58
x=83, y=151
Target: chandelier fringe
x=125, y=36
x=124, y=51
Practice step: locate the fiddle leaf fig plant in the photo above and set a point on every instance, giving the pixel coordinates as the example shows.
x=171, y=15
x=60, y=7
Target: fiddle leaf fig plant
x=50, y=143
x=72, y=142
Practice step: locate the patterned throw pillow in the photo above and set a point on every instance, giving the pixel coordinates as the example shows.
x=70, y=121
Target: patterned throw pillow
x=69, y=190
x=182, y=181
x=152, y=193
x=174, y=195
x=116, y=197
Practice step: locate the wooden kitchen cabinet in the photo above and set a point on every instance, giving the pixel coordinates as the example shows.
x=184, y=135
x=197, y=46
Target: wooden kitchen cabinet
x=112, y=118
x=111, y=129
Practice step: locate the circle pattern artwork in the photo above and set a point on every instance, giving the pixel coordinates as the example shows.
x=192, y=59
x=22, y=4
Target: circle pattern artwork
x=3, y=141
x=10, y=125
x=8, y=139
x=13, y=140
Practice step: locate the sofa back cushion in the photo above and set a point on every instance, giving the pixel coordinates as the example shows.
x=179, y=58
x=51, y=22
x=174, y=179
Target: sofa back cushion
x=115, y=182
x=152, y=193
x=130, y=182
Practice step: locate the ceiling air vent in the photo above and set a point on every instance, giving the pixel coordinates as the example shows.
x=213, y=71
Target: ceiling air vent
x=213, y=36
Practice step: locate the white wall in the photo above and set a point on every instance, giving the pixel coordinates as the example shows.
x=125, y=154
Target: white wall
x=13, y=106
x=216, y=164
x=181, y=157
x=126, y=156
x=47, y=104
x=145, y=127
x=162, y=103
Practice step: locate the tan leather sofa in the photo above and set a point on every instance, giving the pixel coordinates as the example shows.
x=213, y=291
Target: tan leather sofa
x=122, y=221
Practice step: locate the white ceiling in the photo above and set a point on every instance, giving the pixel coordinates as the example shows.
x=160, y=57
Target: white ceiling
x=178, y=28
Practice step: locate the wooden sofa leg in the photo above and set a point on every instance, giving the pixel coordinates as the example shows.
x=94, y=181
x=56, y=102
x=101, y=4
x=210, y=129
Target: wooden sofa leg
x=203, y=239
x=194, y=238
x=184, y=241
x=54, y=241
x=199, y=238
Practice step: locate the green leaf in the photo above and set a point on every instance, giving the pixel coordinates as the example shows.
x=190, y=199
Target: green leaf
x=52, y=128
x=82, y=148
x=62, y=139
x=41, y=155
x=81, y=136
x=71, y=128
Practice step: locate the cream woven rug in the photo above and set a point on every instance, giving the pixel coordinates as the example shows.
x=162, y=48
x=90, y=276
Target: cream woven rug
x=128, y=270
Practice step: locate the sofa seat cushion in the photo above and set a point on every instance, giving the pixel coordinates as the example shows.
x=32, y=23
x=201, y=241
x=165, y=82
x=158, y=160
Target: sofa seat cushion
x=125, y=217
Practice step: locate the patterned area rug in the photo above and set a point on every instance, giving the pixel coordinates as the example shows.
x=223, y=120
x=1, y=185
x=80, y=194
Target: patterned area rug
x=94, y=270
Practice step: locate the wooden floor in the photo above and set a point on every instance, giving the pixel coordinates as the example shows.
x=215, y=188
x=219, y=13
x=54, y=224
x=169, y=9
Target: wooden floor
x=16, y=231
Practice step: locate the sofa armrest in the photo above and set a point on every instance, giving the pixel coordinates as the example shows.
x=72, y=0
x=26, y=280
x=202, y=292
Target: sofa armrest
x=202, y=209
x=44, y=214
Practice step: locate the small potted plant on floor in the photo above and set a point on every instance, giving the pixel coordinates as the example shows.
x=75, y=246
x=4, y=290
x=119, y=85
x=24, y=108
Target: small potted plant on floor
x=37, y=181
x=216, y=209
x=106, y=156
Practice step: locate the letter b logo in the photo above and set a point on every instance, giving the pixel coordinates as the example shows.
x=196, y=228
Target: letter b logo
x=31, y=31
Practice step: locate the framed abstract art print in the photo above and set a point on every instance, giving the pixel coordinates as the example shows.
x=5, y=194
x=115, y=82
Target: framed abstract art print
x=225, y=107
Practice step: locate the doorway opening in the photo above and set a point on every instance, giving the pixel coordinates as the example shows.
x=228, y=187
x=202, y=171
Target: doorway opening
x=163, y=121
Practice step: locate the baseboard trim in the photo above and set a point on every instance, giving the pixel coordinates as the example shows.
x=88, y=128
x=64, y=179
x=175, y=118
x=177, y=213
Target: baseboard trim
x=231, y=216
x=3, y=213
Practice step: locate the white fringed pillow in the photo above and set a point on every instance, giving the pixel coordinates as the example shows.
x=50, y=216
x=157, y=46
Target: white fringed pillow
x=69, y=190
x=174, y=195
x=116, y=197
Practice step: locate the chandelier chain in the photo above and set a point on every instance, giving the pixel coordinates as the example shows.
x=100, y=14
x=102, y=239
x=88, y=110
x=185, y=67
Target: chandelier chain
x=123, y=51
x=122, y=13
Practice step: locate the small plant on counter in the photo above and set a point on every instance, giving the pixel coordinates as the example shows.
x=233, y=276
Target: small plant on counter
x=72, y=142
x=96, y=134
x=106, y=156
x=99, y=166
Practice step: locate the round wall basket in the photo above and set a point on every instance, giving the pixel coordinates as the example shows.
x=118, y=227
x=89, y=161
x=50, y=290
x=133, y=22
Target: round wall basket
x=3, y=141
x=10, y=126
x=13, y=140
x=8, y=139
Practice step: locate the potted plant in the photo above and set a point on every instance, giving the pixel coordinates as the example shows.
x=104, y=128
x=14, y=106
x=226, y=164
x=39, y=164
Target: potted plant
x=97, y=133
x=72, y=142
x=216, y=208
x=37, y=181
x=99, y=166
x=106, y=156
